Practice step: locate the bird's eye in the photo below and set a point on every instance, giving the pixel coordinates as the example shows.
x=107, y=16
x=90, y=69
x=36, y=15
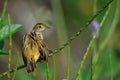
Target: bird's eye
x=39, y=26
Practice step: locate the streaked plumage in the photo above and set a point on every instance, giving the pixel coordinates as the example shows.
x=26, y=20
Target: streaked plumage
x=34, y=49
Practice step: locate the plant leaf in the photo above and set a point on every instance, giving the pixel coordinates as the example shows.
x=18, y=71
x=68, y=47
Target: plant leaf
x=1, y=44
x=84, y=75
x=4, y=33
x=22, y=75
x=2, y=52
x=1, y=22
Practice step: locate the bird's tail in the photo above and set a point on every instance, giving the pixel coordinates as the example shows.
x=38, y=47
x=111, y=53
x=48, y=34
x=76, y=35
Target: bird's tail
x=44, y=55
x=31, y=67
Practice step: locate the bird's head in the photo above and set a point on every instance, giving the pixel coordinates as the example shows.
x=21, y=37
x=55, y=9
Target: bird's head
x=40, y=27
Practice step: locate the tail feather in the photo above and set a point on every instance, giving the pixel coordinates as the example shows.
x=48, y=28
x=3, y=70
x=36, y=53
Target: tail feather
x=31, y=67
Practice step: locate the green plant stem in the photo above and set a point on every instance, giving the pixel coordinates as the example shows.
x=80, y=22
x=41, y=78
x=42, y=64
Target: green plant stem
x=90, y=45
x=4, y=8
x=82, y=29
x=115, y=21
x=55, y=67
x=111, y=73
x=12, y=70
x=94, y=46
x=10, y=46
x=92, y=62
x=47, y=71
x=94, y=6
x=106, y=40
x=68, y=65
x=17, y=60
x=3, y=12
x=59, y=20
x=61, y=31
x=69, y=40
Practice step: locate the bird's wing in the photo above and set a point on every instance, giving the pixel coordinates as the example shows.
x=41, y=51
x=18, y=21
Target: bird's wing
x=27, y=44
x=46, y=48
x=24, y=59
x=44, y=51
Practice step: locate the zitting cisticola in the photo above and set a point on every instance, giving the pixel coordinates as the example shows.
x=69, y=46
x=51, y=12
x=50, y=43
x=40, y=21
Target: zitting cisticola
x=34, y=49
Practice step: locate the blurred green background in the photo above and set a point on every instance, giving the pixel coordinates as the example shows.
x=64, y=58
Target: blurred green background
x=65, y=18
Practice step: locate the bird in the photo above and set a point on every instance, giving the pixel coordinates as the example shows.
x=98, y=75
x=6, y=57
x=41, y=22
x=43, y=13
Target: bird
x=34, y=48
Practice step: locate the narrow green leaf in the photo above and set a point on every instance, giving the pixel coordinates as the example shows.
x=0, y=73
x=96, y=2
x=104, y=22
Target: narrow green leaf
x=22, y=75
x=4, y=33
x=0, y=19
x=1, y=44
x=2, y=52
x=47, y=71
x=84, y=75
x=1, y=22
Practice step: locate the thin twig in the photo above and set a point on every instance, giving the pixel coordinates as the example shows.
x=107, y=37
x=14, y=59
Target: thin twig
x=69, y=40
x=12, y=70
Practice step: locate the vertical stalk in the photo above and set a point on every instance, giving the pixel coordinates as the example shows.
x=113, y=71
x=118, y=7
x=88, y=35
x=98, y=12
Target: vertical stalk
x=10, y=46
x=4, y=8
x=111, y=30
x=47, y=71
x=94, y=6
x=61, y=30
x=94, y=45
x=111, y=73
x=15, y=70
x=91, y=43
x=55, y=66
x=68, y=65
x=3, y=13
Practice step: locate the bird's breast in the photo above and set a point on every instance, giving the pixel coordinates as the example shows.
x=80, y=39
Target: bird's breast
x=32, y=52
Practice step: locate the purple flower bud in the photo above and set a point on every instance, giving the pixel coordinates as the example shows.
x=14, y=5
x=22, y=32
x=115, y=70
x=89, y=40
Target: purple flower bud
x=93, y=27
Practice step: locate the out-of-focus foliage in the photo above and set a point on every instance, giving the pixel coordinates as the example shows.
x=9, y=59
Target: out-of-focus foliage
x=109, y=63
x=1, y=20
x=21, y=75
x=1, y=44
x=4, y=30
x=75, y=14
x=2, y=52
x=4, y=33
x=41, y=70
x=84, y=74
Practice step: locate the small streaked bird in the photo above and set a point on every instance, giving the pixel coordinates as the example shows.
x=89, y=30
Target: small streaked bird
x=33, y=48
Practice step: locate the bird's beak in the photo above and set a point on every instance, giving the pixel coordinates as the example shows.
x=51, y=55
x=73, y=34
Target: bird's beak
x=48, y=27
